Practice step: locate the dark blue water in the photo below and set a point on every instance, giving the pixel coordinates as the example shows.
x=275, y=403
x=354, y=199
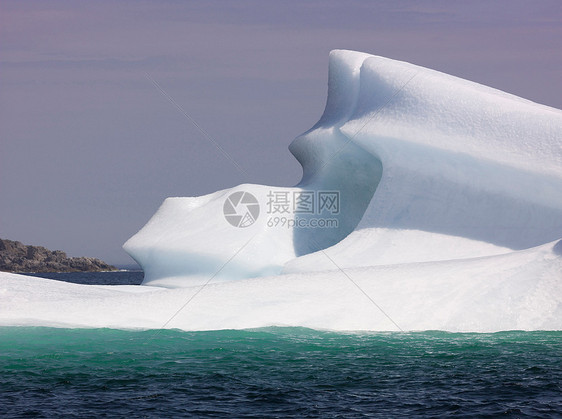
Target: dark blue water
x=278, y=372
x=95, y=278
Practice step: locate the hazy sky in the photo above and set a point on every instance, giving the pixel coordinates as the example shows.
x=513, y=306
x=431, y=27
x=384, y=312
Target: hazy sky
x=89, y=148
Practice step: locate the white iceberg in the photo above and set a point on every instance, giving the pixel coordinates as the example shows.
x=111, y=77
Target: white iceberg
x=428, y=167
x=516, y=291
x=443, y=211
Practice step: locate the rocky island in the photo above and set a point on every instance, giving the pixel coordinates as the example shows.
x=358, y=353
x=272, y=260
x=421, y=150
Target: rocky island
x=18, y=257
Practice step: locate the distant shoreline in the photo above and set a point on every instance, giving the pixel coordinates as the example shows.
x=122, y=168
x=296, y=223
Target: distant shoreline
x=16, y=257
x=70, y=272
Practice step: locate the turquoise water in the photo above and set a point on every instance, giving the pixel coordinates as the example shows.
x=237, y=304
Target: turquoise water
x=276, y=372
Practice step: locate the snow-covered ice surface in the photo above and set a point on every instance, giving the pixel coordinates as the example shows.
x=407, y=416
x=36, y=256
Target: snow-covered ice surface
x=516, y=291
x=450, y=218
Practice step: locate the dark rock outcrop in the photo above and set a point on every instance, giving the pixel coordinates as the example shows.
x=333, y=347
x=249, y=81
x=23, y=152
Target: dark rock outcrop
x=18, y=257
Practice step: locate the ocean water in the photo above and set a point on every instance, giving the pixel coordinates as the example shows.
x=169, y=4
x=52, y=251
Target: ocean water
x=95, y=278
x=277, y=372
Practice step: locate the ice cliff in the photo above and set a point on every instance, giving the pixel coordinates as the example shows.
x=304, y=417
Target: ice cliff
x=428, y=167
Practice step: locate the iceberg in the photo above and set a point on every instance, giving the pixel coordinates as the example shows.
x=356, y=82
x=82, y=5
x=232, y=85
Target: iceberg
x=427, y=167
x=426, y=202
x=520, y=290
